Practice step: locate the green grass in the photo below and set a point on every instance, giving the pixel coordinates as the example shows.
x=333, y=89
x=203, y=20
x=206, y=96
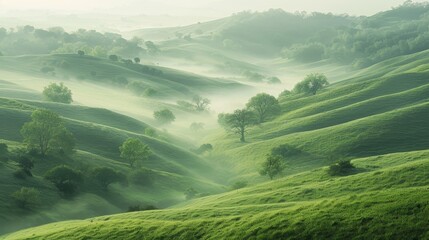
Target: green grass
x=387, y=199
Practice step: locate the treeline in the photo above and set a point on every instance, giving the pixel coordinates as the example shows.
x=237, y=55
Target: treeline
x=400, y=31
x=31, y=40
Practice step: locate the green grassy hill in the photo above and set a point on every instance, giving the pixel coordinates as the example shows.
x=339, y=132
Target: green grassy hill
x=387, y=198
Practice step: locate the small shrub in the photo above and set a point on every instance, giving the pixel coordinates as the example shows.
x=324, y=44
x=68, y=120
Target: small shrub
x=285, y=151
x=150, y=132
x=190, y=193
x=238, y=185
x=341, y=168
x=204, y=148
x=66, y=179
x=26, y=198
x=139, y=208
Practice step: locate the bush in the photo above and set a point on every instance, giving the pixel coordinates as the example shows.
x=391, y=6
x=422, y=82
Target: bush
x=139, y=208
x=204, y=148
x=285, y=151
x=238, y=185
x=341, y=168
x=150, y=132
x=105, y=176
x=190, y=193
x=58, y=93
x=66, y=179
x=164, y=116
x=26, y=198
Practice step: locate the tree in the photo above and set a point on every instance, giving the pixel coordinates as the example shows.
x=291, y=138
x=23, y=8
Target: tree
x=26, y=197
x=272, y=166
x=66, y=179
x=58, y=93
x=151, y=47
x=46, y=133
x=164, y=116
x=311, y=84
x=113, y=58
x=137, y=60
x=207, y=147
x=81, y=52
x=106, y=176
x=237, y=122
x=264, y=105
x=201, y=104
x=133, y=150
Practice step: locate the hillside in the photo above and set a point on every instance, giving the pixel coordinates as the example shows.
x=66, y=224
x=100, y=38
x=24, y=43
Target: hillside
x=261, y=125
x=387, y=199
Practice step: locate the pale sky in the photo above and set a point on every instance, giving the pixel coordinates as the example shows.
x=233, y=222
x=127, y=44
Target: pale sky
x=207, y=8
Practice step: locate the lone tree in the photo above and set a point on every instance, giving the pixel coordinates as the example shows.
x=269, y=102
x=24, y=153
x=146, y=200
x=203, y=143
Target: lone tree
x=264, y=105
x=237, y=122
x=106, y=176
x=46, y=133
x=137, y=60
x=164, y=116
x=311, y=84
x=133, y=150
x=201, y=104
x=80, y=52
x=58, y=93
x=272, y=166
x=114, y=58
x=66, y=179
x=26, y=198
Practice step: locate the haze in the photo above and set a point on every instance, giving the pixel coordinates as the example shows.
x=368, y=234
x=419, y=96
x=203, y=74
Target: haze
x=173, y=12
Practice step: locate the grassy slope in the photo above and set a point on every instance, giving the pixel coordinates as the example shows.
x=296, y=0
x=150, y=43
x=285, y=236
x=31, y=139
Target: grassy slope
x=171, y=83
x=353, y=118
x=387, y=198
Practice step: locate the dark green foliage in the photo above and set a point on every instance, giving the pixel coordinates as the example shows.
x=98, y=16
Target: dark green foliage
x=58, y=93
x=190, y=193
x=66, y=179
x=264, y=105
x=285, y=151
x=114, y=58
x=26, y=198
x=105, y=176
x=272, y=166
x=47, y=134
x=81, y=52
x=20, y=174
x=4, y=152
x=133, y=151
x=311, y=84
x=341, y=168
x=239, y=185
x=237, y=122
x=137, y=60
x=164, y=116
x=207, y=147
x=151, y=132
x=140, y=208
x=150, y=92
x=26, y=164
